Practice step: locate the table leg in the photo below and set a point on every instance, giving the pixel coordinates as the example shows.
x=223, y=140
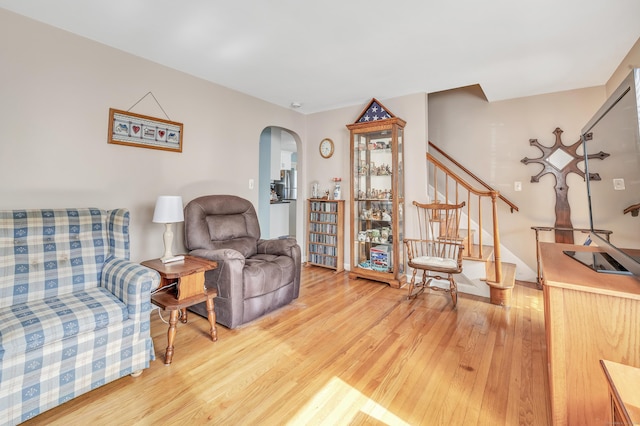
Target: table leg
x=211, y=314
x=171, y=335
x=183, y=317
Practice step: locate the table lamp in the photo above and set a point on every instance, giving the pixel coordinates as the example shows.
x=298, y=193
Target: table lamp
x=169, y=210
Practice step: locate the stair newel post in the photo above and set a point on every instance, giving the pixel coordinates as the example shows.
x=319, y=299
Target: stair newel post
x=496, y=237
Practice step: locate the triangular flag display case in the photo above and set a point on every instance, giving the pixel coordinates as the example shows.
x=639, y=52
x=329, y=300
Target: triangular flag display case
x=377, y=196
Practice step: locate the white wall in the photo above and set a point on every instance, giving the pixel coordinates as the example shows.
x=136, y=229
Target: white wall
x=56, y=90
x=332, y=124
x=631, y=60
x=490, y=139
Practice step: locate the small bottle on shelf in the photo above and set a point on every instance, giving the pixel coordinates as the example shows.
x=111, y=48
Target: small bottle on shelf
x=336, y=189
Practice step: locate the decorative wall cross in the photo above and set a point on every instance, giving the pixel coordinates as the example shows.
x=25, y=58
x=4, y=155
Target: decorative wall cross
x=560, y=160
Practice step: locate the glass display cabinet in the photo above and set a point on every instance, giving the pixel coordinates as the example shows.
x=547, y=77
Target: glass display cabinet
x=377, y=196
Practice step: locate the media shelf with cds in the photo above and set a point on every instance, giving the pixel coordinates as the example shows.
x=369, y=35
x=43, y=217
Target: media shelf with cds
x=325, y=233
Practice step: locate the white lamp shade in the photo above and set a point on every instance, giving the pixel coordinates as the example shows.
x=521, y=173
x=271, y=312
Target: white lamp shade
x=168, y=209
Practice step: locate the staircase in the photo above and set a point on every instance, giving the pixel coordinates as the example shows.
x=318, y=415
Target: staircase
x=484, y=273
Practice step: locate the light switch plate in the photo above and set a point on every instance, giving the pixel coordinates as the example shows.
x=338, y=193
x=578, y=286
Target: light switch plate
x=618, y=184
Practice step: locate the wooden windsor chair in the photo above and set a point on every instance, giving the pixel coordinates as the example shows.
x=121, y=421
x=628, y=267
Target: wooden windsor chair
x=438, y=251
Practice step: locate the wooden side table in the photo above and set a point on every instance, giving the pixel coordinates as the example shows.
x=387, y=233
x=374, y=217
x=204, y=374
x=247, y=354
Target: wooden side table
x=623, y=381
x=188, y=276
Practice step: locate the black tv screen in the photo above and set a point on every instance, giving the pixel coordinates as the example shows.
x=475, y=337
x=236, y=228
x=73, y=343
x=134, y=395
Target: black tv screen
x=613, y=184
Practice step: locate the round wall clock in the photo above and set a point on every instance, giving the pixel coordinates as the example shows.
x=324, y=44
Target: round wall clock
x=326, y=148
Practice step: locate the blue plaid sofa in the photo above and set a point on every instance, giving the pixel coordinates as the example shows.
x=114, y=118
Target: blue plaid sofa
x=74, y=311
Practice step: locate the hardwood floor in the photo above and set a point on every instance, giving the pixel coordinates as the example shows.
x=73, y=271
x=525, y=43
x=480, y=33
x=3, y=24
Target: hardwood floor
x=346, y=352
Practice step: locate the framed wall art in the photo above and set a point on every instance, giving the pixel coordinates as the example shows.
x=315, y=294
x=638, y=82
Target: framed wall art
x=127, y=128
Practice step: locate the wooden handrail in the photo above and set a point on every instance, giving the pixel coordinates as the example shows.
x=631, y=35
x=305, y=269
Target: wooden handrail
x=511, y=205
x=457, y=178
x=633, y=209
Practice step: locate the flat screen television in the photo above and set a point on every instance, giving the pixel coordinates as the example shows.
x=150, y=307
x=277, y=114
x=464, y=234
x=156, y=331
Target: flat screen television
x=613, y=184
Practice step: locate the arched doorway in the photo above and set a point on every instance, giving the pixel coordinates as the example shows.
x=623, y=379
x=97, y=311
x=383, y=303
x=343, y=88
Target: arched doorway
x=279, y=169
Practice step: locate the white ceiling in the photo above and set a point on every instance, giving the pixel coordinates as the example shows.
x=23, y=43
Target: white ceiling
x=333, y=53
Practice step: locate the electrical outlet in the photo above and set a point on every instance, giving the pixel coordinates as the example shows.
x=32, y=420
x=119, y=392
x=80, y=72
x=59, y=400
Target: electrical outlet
x=618, y=184
x=517, y=186
x=250, y=183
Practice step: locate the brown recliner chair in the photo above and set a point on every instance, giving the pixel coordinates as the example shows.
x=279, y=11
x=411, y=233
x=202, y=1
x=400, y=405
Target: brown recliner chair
x=254, y=276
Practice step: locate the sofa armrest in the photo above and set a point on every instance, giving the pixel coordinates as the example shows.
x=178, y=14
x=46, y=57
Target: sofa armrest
x=278, y=246
x=132, y=283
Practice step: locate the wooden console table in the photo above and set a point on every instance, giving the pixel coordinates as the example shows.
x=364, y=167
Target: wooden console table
x=589, y=316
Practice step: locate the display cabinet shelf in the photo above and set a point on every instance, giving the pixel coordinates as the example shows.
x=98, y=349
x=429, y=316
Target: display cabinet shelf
x=325, y=233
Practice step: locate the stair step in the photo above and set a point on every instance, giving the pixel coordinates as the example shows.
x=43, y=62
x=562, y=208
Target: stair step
x=500, y=292
x=487, y=252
